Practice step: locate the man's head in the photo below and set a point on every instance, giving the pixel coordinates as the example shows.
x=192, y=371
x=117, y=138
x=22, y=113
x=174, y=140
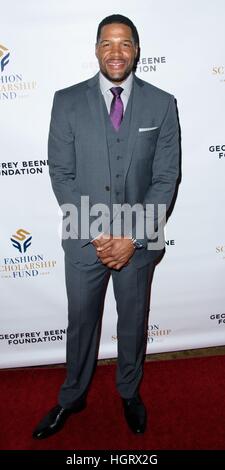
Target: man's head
x=117, y=47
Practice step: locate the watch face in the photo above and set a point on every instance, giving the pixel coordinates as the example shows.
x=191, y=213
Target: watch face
x=138, y=244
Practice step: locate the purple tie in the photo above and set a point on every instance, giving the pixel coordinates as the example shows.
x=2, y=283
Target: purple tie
x=116, y=109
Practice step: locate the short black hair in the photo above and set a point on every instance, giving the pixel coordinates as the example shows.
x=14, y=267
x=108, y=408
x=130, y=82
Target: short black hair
x=119, y=19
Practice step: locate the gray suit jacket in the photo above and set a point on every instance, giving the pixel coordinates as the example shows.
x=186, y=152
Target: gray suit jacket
x=78, y=154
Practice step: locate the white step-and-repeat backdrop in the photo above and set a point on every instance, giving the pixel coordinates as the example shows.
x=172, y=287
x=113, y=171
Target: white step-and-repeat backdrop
x=48, y=45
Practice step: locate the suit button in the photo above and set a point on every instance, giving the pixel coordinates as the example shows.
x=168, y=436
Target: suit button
x=118, y=157
x=118, y=140
x=107, y=188
x=117, y=176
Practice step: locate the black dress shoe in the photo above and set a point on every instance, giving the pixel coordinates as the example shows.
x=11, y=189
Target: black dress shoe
x=135, y=414
x=55, y=420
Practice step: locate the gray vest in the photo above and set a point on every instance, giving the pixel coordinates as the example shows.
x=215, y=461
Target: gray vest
x=117, y=148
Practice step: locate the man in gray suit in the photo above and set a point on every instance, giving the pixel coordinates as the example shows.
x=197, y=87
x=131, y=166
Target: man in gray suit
x=113, y=138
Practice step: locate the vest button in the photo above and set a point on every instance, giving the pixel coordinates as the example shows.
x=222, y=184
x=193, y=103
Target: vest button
x=118, y=140
x=107, y=188
x=118, y=157
x=117, y=176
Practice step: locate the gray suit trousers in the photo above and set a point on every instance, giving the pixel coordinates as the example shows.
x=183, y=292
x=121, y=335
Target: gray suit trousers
x=86, y=287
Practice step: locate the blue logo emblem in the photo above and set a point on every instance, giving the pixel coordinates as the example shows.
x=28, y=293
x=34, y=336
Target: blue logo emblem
x=22, y=240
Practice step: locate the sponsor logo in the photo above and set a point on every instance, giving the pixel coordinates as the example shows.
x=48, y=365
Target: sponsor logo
x=218, y=150
x=31, y=167
x=219, y=318
x=30, y=337
x=150, y=64
x=13, y=85
x=218, y=71
x=170, y=242
x=25, y=266
x=220, y=250
x=155, y=334
x=4, y=57
x=22, y=240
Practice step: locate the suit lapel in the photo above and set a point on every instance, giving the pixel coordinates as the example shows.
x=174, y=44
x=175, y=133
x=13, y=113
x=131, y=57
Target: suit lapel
x=136, y=113
x=98, y=122
x=94, y=101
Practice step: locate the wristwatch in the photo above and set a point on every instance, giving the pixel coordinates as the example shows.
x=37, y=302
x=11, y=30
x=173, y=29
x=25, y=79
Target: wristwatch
x=136, y=243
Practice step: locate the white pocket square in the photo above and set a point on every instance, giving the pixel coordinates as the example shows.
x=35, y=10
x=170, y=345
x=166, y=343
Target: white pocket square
x=145, y=129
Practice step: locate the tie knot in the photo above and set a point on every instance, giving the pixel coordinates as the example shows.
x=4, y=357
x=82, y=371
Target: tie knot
x=116, y=90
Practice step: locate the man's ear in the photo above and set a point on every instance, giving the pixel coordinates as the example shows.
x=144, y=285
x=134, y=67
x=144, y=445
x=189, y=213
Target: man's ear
x=96, y=50
x=137, y=54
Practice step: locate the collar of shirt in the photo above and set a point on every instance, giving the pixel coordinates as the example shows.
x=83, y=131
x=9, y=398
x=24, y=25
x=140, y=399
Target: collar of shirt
x=106, y=84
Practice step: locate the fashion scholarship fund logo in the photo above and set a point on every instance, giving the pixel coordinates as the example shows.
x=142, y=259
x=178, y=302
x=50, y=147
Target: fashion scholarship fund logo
x=4, y=57
x=26, y=264
x=155, y=333
x=220, y=251
x=12, y=85
x=218, y=71
x=22, y=240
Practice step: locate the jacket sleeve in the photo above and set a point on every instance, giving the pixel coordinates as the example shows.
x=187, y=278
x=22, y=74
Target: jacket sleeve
x=62, y=158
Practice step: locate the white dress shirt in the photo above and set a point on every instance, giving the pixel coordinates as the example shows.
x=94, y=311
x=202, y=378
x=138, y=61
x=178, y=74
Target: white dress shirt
x=105, y=86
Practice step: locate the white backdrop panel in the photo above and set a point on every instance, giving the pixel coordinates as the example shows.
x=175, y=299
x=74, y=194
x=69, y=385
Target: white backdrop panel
x=51, y=46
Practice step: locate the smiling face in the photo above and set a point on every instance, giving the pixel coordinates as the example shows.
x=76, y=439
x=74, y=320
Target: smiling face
x=116, y=52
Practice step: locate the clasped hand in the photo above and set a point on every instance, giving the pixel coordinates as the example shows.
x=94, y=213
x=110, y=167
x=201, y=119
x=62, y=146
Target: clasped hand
x=114, y=252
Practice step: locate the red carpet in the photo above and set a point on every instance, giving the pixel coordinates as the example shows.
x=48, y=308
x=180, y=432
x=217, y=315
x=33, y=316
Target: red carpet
x=185, y=399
